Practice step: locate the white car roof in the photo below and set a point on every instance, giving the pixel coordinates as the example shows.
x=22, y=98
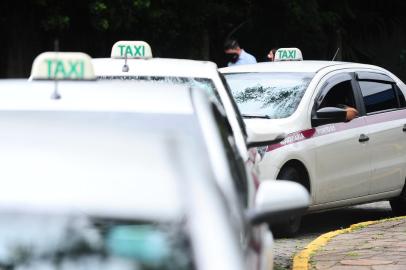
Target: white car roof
x=150, y=97
x=155, y=67
x=291, y=66
x=55, y=152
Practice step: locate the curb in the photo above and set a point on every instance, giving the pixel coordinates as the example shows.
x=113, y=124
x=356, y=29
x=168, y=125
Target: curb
x=301, y=260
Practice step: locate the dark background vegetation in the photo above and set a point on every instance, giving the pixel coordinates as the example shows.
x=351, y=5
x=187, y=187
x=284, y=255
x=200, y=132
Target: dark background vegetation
x=367, y=31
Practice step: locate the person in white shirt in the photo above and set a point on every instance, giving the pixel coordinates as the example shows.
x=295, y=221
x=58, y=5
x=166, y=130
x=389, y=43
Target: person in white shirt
x=236, y=55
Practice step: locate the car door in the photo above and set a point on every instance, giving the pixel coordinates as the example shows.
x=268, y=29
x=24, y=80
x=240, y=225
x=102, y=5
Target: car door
x=251, y=237
x=342, y=164
x=386, y=120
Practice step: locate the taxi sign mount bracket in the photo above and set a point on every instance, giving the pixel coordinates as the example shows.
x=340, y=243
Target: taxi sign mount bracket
x=55, y=95
x=126, y=68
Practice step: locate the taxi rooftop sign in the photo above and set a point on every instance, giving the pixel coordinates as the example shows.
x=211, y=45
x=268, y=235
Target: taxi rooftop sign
x=62, y=66
x=288, y=54
x=131, y=49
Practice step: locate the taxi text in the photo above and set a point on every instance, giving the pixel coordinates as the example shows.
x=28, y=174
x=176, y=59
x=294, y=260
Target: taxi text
x=133, y=50
x=65, y=69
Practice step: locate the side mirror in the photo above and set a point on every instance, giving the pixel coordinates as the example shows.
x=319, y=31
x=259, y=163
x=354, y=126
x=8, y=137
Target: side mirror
x=329, y=115
x=259, y=136
x=277, y=201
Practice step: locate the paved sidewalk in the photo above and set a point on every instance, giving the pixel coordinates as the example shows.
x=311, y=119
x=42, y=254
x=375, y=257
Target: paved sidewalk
x=379, y=245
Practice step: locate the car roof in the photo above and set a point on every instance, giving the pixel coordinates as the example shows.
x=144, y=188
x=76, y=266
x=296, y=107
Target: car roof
x=155, y=66
x=110, y=163
x=96, y=95
x=291, y=66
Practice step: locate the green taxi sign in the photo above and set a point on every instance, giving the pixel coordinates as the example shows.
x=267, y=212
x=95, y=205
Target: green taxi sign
x=131, y=49
x=62, y=66
x=288, y=54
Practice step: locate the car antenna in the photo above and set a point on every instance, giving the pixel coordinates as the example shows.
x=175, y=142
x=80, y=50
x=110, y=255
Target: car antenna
x=126, y=68
x=55, y=94
x=335, y=55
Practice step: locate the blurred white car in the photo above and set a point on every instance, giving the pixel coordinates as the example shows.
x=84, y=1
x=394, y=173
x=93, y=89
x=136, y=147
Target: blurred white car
x=133, y=61
x=339, y=159
x=99, y=175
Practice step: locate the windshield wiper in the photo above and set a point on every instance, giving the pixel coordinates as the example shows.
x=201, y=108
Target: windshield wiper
x=264, y=116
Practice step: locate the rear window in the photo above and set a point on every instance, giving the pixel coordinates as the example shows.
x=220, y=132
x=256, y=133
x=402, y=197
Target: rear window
x=205, y=84
x=378, y=96
x=274, y=95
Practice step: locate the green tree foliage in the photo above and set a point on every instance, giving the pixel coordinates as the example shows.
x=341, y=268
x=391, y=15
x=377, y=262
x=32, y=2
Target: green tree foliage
x=369, y=31
x=55, y=17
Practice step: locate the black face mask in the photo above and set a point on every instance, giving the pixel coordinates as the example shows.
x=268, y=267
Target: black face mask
x=232, y=57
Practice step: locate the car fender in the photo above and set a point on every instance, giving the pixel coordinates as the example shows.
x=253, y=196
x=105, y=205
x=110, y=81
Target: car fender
x=274, y=159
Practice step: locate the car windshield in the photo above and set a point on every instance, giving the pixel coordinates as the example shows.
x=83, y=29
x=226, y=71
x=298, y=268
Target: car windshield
x=44, y=241
x=270, y=95
x=201, y=83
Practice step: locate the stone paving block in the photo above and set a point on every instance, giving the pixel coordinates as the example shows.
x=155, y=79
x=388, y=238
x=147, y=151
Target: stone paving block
x=365, y=262
x=382, y=242
x=351, y=256
x=403, y=249
x=386, y=225
x=392, y=239
x=349, y=267
x=324, y=265
x=328, y=257
x=347, y=236
x=389, y=267
x=336, y=248
x=367, y=231
x=367, y=245
x=389, y=257
x=396, y=230
x=400, y=254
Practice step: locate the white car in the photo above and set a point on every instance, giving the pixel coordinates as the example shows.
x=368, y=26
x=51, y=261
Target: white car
x=98, y=175
x=340, y=161
x=133, y=61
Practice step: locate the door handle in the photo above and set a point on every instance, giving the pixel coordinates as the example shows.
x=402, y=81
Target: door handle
x=363, y=138
x=404, y=128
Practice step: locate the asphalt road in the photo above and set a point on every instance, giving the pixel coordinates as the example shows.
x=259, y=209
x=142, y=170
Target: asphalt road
x=317, y=224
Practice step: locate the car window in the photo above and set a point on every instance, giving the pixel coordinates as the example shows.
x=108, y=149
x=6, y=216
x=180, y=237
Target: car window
x=402, y=101
x=276, y=94
x=31, y=241
x=201, y=83
x=339, y=95
x=378, y=96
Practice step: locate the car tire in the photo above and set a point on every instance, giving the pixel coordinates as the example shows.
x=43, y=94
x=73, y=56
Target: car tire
x=398, y=204
x=290, y=228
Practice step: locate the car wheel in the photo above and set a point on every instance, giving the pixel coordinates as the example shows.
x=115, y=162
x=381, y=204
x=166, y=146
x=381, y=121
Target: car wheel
x=398, y=204
x=290, y=228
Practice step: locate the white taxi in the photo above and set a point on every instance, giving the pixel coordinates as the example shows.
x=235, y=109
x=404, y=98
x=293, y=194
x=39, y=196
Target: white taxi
x=132, y=61
x=341, y=160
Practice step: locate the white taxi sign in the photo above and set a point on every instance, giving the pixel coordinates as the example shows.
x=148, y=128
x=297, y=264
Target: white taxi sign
x=131, y=49
x=62, y=66
x=288, y=54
